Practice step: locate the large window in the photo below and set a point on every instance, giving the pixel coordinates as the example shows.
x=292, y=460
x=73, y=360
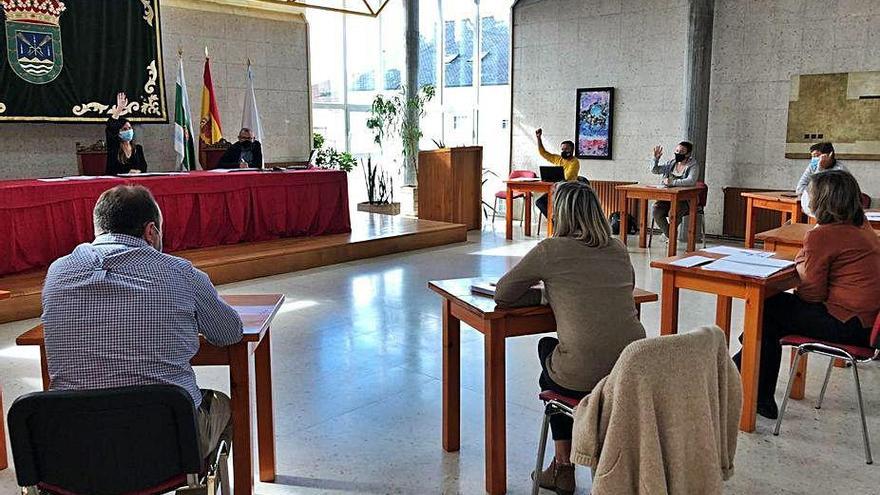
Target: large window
x=354, y=58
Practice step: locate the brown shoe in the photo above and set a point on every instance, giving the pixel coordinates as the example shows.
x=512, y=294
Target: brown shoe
x=558, y=477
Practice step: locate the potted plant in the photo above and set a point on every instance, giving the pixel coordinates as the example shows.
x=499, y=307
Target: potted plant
x=380, y=191
x=330, y=158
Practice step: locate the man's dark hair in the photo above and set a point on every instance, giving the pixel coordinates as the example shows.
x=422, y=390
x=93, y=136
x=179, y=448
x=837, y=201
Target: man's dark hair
x=688, y=146
x=824, y=148
x=125, y=210
x=568, y=142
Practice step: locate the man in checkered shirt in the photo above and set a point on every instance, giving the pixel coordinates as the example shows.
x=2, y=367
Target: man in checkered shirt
x=118, y=312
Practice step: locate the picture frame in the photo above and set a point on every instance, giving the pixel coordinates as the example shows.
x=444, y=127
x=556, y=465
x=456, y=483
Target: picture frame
x=594, y=123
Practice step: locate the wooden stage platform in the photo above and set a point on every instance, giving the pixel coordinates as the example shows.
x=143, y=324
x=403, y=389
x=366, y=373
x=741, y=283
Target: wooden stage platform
x=372, y=235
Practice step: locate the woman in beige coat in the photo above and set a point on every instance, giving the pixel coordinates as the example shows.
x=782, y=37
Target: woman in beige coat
x=588, y=280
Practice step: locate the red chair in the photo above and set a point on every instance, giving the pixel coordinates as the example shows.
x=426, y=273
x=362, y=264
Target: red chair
x=502, y=195
x=554, y=403
x=851, y=353
x=701, y=205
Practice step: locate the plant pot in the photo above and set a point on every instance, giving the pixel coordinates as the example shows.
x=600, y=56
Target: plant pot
x=382, y=209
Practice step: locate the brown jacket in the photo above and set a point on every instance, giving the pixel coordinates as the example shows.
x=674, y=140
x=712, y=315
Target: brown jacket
x=665, y=421
x=839, y=265
x=590, y=291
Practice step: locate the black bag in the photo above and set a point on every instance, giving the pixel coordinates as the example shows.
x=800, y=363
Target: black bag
x=614, y=220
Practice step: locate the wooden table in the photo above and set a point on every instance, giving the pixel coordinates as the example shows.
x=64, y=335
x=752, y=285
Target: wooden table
x=496, y=324
x=642, y=193
x=726, y=286
x=786, y=202
x=257, y=312
x=528, y=187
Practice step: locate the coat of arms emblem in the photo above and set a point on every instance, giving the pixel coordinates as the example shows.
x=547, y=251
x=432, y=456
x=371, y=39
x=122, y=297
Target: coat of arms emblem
x=33, y=38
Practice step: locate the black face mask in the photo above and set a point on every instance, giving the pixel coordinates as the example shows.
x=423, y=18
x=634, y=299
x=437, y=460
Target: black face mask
x=679, y=157
x=566, y=154
x=246, y=144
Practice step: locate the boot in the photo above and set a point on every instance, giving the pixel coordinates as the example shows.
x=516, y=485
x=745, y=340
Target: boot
x=558, y=477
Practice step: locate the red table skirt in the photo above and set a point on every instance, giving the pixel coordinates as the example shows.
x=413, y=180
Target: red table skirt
x=41, y=221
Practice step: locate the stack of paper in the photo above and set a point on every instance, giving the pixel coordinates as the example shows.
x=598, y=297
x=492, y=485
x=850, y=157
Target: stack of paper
x=733, y=251
x=749, y=265
x=873, y=216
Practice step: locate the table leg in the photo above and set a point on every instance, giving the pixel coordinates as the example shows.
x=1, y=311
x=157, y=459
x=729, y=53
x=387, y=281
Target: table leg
x=44, y=367
x=750, y=223
x=669, y=305
x=496, y=435
x=265, y=417
x=508, y=214
x=723, y=306
x=527, y=208
x=550, y=213
x=451, y=379
x=4, y=462
x=673, y=228
x=643, y=223
x=800, y=377
x=784, y=216
x=239, y=380
x=692, y=224
x=751, y=355
x=624, y=216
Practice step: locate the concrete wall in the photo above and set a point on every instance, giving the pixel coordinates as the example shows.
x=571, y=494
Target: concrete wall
x=638, y=46
x=277, y=46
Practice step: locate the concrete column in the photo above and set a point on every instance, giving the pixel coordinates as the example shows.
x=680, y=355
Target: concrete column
x=412, y=77
x=698, y=67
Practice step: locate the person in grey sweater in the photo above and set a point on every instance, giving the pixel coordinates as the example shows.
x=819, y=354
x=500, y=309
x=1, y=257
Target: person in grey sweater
x=681, y=171
x=822, y=159
x=588, y=281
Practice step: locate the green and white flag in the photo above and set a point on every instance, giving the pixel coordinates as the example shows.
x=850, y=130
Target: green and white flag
x=183, y=130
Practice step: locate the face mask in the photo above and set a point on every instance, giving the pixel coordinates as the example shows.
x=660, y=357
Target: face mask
x=679, y=157
x=158, y=236
x=566, y=154
x=126, y=135
x=814, y=162
x=246, y=144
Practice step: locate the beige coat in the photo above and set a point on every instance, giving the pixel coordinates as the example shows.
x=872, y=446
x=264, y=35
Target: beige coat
x=665, y=421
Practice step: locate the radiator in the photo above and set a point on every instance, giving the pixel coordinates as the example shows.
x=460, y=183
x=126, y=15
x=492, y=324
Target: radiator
x=609, y=197
x=735, y=213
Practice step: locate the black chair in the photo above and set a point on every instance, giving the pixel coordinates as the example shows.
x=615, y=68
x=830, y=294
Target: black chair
x=140, y=440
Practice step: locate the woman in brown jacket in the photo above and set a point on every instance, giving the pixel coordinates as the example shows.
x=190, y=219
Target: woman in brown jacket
x=588, y=280
x=838, y=297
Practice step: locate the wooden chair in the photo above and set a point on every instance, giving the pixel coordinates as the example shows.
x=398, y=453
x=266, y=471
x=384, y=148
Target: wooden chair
x=91, y=159
x=210, y=155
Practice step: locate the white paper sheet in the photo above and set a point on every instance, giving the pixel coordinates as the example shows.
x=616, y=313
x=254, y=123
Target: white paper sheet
x=526, y=179
x=873, y=215
x=152, y=174
x=759, y=260
x=734, y=251
x=752, y=266
x=54, y=179
x=692, y=261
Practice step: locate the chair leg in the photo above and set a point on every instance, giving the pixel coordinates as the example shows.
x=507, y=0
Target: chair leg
x=791, y=375
x=651, y=232
x=522, y=217
x=868, y=458
x=494, y=210
x=542, y=448
x=540, y=217
x=825, y=384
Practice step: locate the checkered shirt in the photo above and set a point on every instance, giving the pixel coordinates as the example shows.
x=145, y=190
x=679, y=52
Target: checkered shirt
x=117, y=312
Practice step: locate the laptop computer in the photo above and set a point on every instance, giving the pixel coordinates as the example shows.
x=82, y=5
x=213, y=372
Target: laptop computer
x=552, y=174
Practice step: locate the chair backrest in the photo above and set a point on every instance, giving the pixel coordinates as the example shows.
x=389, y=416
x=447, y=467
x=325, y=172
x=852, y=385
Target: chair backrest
x=865, y=200
x=704, y=194
x=875, y=334
x=114, y=441
x=522, y=174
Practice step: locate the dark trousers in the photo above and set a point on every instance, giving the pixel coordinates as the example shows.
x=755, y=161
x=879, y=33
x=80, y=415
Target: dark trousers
x=661, y=213
x=214, y=422
x=786, y=314
x=560, y=424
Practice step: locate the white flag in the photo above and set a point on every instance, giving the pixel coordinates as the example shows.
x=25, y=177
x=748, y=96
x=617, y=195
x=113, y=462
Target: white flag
x=251, y=116
x=183, y=131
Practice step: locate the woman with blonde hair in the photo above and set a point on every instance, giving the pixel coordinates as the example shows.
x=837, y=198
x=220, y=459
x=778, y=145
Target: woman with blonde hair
x=588, y=281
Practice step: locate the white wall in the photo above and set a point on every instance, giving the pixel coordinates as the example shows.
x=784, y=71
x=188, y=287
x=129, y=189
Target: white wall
x=277, y=48
x=638, y=46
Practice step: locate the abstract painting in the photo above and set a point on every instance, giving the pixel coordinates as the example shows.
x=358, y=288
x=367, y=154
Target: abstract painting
x=843, y=109
x=593, y=123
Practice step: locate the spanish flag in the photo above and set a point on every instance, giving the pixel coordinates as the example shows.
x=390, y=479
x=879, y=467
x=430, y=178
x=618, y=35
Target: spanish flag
x=209, y=128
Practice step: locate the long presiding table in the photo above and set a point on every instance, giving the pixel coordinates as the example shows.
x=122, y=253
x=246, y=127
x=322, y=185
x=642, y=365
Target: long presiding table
x=496, y=324
x=42, y=221
x=257, y=312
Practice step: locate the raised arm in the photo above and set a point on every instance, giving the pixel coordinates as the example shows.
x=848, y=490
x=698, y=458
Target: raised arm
x=550, y=157
x=217, y=321
x=514, y=288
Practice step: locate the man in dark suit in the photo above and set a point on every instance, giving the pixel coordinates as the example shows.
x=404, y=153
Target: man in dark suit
x=247, y=152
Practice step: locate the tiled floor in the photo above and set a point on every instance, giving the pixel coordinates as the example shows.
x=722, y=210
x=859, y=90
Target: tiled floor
x=357, y=386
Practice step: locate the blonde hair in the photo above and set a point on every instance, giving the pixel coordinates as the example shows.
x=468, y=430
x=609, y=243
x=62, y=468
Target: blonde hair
x=578, y=214
x=835, y=197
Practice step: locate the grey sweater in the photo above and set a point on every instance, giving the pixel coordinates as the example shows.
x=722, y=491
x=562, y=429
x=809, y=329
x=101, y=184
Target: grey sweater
x=591, y=293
